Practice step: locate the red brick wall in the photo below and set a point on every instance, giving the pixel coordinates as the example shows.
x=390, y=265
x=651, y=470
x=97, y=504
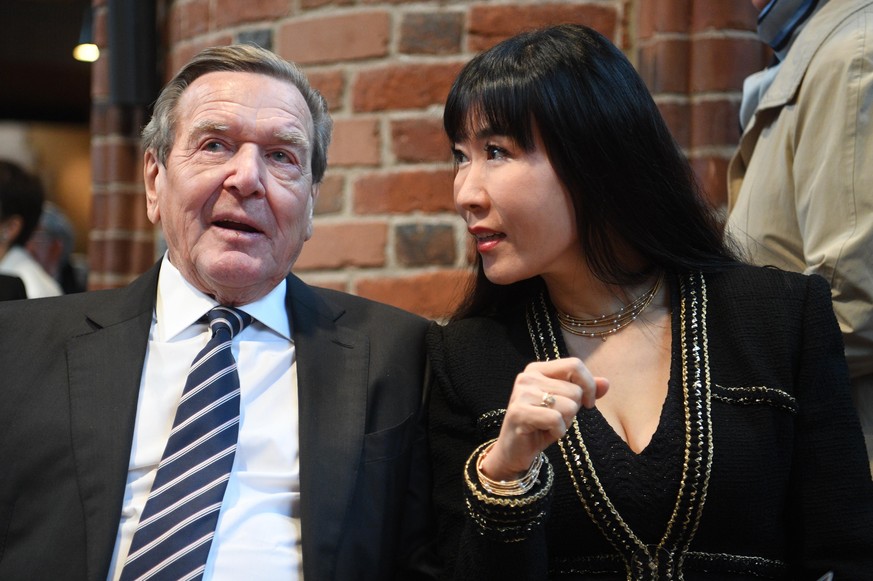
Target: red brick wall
x=385, y=227
x=694, y=55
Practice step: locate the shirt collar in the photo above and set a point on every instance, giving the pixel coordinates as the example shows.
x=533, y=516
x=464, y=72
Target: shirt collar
x=179, y=305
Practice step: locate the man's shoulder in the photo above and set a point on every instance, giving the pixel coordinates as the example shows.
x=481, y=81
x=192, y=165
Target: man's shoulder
x=37, y=330
x=82, y=312
x=58, y=312
x=844, y=37
x=58, y=304
x=355, y=305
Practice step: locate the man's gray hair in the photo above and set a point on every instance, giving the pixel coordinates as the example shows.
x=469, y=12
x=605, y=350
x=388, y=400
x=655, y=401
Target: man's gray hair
x=159, y=134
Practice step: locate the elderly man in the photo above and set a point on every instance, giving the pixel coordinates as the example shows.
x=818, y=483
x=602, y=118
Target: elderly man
x=291, y=448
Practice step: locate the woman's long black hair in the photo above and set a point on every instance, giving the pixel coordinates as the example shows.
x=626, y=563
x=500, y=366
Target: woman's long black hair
x=631, y=185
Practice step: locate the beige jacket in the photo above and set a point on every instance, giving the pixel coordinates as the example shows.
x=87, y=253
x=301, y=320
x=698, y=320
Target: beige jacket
x=801, y=182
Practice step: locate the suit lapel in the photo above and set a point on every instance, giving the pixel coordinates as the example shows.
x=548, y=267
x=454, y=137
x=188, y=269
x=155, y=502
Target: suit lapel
x=332, y=363
x=105, y=367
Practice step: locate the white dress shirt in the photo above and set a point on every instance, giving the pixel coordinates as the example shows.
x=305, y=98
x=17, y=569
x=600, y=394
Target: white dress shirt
x=37, y=282
x=258, y=534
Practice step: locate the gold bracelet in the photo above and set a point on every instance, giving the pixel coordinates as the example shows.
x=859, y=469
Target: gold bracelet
x=509, y=487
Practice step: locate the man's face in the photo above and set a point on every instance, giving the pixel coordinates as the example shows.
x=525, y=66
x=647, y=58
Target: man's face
x=236, y=196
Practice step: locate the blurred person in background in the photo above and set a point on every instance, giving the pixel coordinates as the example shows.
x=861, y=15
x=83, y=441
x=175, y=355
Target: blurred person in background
x=52, y=246
x=21, y=199
x=801, y=180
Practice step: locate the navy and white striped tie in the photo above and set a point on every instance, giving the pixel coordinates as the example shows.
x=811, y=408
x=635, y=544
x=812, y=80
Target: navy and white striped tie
x=178, y=522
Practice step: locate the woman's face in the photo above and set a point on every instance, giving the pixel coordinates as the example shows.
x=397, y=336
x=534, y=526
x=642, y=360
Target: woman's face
x=516, y=208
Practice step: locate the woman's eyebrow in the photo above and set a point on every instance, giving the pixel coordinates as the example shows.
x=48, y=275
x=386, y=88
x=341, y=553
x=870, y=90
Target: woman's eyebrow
x=486, y=132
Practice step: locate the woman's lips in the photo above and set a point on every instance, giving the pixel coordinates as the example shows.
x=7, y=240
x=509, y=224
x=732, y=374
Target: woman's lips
x=486, y=241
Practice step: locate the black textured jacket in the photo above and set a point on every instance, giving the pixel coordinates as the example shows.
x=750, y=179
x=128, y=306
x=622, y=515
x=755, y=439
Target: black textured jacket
x=757, y=469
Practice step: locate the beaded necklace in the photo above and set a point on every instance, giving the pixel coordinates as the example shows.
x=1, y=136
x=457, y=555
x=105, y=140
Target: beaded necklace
x=606, y=325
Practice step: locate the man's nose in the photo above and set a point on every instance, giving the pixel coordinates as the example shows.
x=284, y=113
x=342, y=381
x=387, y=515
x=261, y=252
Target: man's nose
x=247, y=171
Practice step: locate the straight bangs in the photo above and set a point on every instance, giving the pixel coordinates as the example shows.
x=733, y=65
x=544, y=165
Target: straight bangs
x=489, y=104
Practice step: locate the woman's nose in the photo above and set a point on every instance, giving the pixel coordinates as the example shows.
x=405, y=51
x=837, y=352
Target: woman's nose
x=470, y=193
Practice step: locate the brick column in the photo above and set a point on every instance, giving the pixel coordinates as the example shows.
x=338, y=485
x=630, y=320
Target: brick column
x=694, y=55
x=121, y=240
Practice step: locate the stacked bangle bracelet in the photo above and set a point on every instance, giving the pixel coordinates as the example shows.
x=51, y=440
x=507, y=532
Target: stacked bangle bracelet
x=509, y=487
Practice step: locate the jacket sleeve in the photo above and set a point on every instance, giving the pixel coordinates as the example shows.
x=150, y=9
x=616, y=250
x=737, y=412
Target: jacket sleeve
x=479, y=536
x=831, y=500
x=833, y=179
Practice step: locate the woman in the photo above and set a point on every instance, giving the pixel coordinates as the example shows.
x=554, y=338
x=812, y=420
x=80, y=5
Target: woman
x=619, y=397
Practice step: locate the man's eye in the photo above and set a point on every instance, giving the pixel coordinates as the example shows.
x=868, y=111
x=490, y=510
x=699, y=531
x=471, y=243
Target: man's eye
x=213, y=146
x=280, y=157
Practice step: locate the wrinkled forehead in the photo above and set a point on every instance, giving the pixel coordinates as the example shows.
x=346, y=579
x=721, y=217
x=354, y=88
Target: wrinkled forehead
x=244, y=97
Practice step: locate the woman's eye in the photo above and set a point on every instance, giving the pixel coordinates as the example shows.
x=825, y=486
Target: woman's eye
x=495, y=152
x=458, y=156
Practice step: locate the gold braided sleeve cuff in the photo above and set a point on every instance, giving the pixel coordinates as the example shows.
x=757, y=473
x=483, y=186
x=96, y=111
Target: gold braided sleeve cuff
x=512, y=510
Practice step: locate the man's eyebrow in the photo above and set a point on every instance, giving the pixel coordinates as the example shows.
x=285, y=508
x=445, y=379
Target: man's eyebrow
x=292, y=137
x=289, y=136
x=206, y=126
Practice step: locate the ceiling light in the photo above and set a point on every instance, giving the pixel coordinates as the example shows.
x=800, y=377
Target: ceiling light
x=86, y=50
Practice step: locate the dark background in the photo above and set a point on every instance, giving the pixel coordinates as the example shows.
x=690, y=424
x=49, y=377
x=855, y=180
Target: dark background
x=39, y=78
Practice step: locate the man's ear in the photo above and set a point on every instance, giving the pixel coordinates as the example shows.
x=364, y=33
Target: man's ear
x=152, y=173
x=313, y=198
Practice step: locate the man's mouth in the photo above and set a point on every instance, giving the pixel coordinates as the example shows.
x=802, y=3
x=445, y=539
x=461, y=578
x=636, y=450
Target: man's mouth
x=233, y=225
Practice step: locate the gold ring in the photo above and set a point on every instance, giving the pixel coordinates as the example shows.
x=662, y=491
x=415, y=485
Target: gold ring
x=548, y=400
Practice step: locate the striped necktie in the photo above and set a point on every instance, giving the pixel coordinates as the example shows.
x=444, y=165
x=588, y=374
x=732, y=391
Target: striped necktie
x=178, y=522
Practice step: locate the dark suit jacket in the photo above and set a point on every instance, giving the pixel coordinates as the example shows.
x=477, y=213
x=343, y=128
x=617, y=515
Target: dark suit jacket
x=71, y=375
x=11, y=288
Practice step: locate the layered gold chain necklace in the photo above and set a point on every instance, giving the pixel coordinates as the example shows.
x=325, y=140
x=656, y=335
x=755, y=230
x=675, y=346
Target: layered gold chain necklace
x=606, y=325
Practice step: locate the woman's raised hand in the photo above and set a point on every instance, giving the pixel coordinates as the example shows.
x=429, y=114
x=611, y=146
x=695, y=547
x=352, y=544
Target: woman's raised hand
x=545, y=399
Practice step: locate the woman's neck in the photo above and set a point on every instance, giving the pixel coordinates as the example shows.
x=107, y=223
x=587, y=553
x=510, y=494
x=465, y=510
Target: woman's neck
x=586, y=297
